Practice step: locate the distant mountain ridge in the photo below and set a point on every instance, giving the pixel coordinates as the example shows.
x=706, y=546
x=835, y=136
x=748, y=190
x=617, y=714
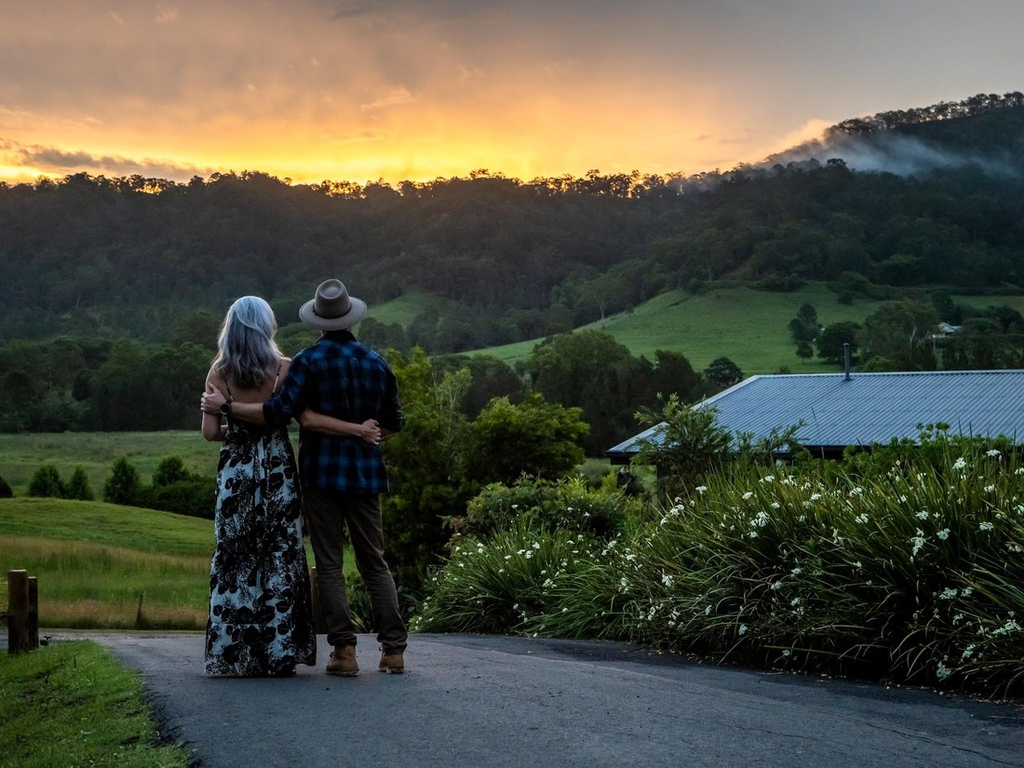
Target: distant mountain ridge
x=511, y=260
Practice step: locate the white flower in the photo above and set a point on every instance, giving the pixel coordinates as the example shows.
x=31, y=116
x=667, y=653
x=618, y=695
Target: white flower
x=796, y=571
x=776, y=585
x=747, y=495
x=1009, y=626
x=861, y=518
x=993, y=453
x=743, y=629
x=948, y=594
x=856, y=491
x=960, y=463
x=989, y=488
x=815, y=496
x=768, y=479
x=943, y=534
x=752, y=534
x=775, y=505
x=707, y=611
x=918, y=541
x=787, y=652
x=666, y=580
x=795, y=601
x=942, y=671
x=761, y=520
x=630, y=557
x=536, y=545
x=529, y=554
x=1019, y=471
x=922, y=515
x=701, y=488
x=986, y=527
x=967, y=591
x=968, y=652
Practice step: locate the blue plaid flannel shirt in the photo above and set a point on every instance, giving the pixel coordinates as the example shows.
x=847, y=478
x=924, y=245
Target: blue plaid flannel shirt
x=339, y=377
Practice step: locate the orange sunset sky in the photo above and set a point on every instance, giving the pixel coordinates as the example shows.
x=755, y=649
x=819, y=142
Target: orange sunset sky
x=361, y=90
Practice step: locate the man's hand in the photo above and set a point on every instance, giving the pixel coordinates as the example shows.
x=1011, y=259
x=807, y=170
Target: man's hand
x=211, y=402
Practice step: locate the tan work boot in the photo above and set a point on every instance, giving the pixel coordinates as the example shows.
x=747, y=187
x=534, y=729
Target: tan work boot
x=343, y=661
x=392, y=663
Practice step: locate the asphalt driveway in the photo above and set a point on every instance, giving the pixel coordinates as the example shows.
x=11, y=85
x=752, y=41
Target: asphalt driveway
x=498, y=701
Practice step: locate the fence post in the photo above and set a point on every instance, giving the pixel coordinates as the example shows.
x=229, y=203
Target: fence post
x=17, y=611
x=33, y=613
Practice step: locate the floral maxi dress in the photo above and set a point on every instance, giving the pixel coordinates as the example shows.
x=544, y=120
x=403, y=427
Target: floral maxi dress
x=261, y=619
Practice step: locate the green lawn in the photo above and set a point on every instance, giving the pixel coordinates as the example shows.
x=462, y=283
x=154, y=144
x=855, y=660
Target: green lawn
x=749, y=327
x=72, y=704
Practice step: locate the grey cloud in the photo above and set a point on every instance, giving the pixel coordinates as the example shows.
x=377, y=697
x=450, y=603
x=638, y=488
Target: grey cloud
x=58, y=162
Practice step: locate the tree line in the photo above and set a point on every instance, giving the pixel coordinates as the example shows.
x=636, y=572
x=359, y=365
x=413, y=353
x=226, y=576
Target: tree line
x=506, y=260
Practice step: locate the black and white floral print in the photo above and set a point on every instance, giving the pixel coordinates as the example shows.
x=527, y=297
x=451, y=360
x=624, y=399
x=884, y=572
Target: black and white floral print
x=261, y=620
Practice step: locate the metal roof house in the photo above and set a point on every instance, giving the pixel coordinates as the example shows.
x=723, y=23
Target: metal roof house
x=861, y=409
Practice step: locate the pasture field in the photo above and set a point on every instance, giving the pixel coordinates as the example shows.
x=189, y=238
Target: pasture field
x=749, y=327
x=22, y=454
x=108, y=566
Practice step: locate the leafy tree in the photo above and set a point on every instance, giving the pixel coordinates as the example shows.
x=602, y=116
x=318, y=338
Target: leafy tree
x=591, y=371
x=46, y=483
x=723, y=372
x=832, y=339
x=5, y=489
x=534, y=438
x=78, y=486
x=804, y=327
x=689, y=445
x=170, y=470
x=900, y=332
x=123, y=486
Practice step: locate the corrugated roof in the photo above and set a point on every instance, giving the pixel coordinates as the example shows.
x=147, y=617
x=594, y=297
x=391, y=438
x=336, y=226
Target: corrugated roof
x=868, y=407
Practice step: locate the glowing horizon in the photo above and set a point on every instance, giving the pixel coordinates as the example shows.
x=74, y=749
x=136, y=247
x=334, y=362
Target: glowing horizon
x=403, y=90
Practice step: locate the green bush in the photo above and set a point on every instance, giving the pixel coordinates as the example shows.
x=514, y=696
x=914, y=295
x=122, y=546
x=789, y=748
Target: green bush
x=904, y=566
x=123, y=486
x=78, y=486
x=46, y=483
x=544, y=505
x=195, y=496
x=5, y=489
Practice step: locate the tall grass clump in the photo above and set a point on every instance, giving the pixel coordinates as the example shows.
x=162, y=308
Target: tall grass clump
x=513, y=554
x=910, y=572
x=905, y=565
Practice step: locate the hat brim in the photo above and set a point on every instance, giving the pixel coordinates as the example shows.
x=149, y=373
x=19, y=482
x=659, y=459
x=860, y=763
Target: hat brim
x=350, y=318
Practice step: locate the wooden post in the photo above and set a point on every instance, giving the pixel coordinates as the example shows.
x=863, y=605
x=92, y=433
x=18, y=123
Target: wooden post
x=33, y=613
x=318, y=618
x=17, y=611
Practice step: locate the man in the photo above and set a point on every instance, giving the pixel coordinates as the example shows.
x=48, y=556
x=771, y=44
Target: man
x=345, y=397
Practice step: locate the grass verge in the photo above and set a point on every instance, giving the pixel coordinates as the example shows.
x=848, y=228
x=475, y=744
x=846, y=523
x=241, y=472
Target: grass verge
x=72, y=704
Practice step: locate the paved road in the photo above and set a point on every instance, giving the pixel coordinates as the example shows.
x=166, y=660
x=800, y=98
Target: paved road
x=494, y=701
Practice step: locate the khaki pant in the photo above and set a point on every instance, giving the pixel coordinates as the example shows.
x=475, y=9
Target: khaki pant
x=329, y=513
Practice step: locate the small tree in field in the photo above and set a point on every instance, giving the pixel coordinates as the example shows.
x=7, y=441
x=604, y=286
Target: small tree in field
x=5, y=489
x=123, y=486
x=46, y=483
x=78, y=486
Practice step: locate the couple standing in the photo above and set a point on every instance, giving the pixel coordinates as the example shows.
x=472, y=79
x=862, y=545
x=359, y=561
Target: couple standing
x=345, y=398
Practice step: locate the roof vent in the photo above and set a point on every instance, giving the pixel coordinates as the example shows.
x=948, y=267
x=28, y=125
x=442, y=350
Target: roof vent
x=846, y=360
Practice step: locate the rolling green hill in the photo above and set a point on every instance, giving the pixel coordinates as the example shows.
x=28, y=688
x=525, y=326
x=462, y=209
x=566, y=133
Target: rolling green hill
x=747, y=326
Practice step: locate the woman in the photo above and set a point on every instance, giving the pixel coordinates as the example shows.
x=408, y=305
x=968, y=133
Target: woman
x=261, y=619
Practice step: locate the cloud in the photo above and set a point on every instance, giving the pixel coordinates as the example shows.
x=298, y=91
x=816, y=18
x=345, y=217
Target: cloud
x=52, y=161
x=396, y=96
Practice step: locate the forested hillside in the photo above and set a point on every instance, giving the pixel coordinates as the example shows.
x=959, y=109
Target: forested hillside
x=118, y=263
